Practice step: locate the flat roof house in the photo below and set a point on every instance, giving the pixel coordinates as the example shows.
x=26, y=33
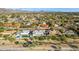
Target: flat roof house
x=22, y=34
x=38, y=32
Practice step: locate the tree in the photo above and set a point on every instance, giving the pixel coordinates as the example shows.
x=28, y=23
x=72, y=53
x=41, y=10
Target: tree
x=12, y=15
x=62, y=38
x=10, y=38
x=1, y=23
x=2, y=29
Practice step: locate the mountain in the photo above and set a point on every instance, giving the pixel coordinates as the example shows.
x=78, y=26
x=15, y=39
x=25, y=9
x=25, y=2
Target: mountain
x=48, y=9
x=14, y=10
x=7, y=10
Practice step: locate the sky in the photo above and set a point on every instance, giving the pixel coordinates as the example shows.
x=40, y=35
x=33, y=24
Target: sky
x=50, y=9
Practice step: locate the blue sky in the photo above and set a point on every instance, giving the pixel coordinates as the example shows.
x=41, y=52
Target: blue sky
x=50, y=9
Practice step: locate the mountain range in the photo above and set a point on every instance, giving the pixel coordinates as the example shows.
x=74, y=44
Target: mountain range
x=13, y=10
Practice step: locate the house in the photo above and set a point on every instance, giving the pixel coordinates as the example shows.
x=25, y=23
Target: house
x=26, y=33
x=38, y=32
x=11, y=19
x=44, y=25
x=29, y=24
x=18, y=36
x=8, y=32
x=29, y=33
x=22, y=34
x=15, y=25
x=69, y=32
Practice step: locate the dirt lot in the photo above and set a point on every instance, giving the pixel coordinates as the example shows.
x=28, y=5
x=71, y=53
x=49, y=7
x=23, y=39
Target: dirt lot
x=10, y=46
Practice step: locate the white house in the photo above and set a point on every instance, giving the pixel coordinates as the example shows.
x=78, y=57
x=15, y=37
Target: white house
x=70, y=32
x=25, y=33
x=38, y=32
x=21, y=33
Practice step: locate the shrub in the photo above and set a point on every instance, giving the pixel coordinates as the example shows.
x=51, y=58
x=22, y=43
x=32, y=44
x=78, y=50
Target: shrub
x=16, y=42
x=25, y=44
x=1, y=29
x=54, y=38
x=62, y=37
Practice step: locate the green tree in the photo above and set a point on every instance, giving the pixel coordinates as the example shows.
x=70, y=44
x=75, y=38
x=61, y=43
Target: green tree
x=10, y=38
x=63, y=38
x=2, y=29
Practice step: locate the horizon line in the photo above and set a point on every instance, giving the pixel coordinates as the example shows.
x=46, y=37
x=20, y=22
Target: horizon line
x=48, y=9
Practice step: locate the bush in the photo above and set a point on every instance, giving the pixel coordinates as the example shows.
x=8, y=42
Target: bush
x=62, y=37
x=25, y=44
x=16, y=42
x=1, y=29
x=54, y=37
x=11, y=39
x=3, y=43
x=41, y=38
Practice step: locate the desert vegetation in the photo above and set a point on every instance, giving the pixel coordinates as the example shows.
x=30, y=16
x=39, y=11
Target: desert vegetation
x=32, y=29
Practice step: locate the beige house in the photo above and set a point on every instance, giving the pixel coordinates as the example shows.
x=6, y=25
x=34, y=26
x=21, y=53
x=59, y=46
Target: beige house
x=8, y=32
